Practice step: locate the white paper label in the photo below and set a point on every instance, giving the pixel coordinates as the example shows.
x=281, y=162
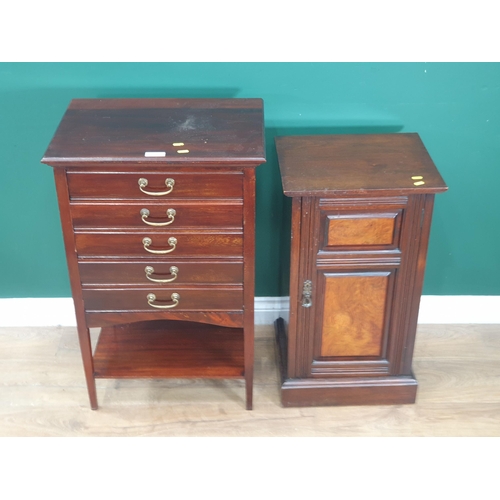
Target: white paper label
x=154, y=154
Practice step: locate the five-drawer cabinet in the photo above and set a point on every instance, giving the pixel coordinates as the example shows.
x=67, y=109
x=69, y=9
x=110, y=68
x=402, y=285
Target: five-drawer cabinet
x=360, y=221
x=157, y=203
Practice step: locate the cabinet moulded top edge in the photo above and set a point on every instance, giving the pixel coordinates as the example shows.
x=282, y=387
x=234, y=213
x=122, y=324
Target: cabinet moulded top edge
x=168, y=102
x=153, y=163
x=325, y=194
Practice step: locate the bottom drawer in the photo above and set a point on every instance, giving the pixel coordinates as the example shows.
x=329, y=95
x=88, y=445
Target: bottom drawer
x=163, y=299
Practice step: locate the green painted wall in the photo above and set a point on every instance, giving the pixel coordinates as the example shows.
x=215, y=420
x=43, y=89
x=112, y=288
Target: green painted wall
x=454, y=107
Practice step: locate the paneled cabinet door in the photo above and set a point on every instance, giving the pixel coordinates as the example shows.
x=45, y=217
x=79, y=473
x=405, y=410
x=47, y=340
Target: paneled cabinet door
x=351, y=322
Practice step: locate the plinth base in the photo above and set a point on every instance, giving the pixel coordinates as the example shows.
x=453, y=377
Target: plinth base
x=340, y=391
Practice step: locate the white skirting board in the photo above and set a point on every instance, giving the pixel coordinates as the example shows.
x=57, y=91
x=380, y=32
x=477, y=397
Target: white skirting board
x=434, y=309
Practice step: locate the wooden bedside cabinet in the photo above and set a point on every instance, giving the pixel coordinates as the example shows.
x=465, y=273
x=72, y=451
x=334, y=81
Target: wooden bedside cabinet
x=361, y=215
x=157, y=204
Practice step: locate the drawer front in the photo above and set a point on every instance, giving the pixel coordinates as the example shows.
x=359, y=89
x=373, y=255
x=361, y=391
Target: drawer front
x=160, y=299
x=148, y=273
x=157, y=215
x=118, y=186
x=166, y=244
x=343, y=231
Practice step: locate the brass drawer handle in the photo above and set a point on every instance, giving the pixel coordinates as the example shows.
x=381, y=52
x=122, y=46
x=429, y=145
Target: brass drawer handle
x=168, y=182
x=175, y=297
x=170, y=214
x=174, y=271
x=148, y=242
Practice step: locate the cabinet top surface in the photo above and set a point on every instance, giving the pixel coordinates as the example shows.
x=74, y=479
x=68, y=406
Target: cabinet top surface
x=326, y=165
x=159, y=131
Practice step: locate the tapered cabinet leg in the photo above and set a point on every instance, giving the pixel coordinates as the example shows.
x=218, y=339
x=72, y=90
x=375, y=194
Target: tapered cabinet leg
x=249, y=390
x=88, y=364
x=249, y=280
x=249, y=361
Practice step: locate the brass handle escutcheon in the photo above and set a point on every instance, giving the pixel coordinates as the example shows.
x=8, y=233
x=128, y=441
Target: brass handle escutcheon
x=175, y=297
x=170, y=214
x=168, y=182
x=307, y=294
x=149, y=270
x=147, y=242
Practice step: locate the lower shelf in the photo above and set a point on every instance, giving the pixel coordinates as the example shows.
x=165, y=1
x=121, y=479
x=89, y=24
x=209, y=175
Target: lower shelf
x=169, y=349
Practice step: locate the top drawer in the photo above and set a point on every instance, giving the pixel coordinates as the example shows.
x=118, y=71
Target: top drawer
x=355, y=231
x=361, y=225
x=153, y=185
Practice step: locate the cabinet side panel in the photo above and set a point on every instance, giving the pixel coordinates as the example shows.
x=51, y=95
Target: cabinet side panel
x=414, y=301
x=294, y=286
x=414, y=239
x=308, y=248
x=69, y=241
x=75, y=281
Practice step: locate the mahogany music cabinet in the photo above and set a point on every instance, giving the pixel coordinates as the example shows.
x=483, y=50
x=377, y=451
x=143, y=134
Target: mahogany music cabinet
x=157, y=204
x=360, y=222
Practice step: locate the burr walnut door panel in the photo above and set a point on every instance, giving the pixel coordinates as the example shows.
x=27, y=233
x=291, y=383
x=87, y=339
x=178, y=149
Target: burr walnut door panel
x=349, y=327
x=350, y=322
x=354, y=319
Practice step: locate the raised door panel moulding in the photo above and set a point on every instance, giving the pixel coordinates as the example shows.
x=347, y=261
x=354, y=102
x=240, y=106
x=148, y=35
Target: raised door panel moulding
x=434, y=309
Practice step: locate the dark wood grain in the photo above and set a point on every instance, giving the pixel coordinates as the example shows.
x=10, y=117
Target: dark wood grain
x=119, y=185
x=189, y=244
x=232, y=319
x=417, y=252
x=198, y=214
x=163, y=349
x=162, y=103
x=363, y=240
x=122, y=130
x=351, y=392
x=249, y=279
x=192, y=299
x=107, y=272
x=356, y=164
x=71, y=258
x=296, y=313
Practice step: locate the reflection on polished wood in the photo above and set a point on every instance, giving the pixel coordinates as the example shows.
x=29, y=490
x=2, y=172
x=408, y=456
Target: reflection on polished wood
x=161, y=349
x=43, y=393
